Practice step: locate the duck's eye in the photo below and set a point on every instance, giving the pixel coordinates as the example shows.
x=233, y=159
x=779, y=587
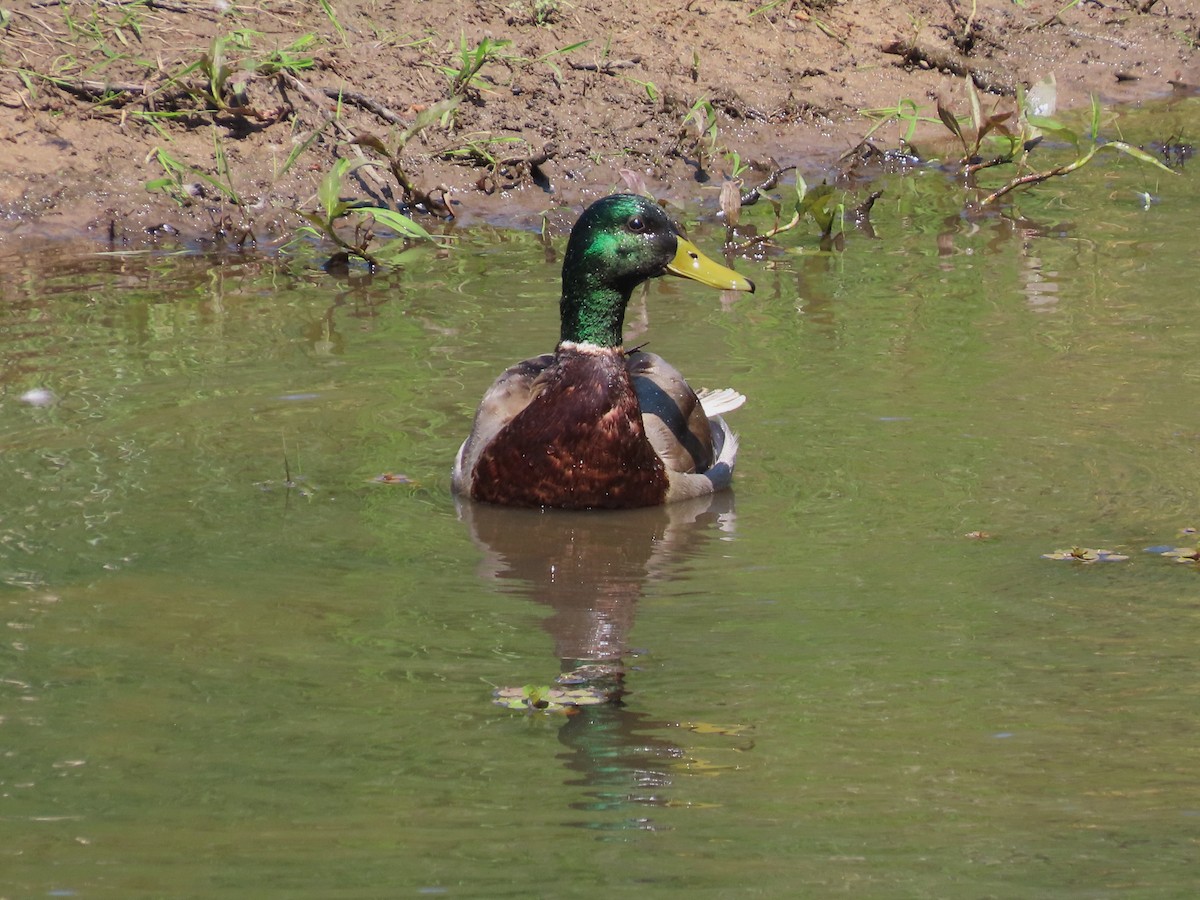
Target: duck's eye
x=637, y=224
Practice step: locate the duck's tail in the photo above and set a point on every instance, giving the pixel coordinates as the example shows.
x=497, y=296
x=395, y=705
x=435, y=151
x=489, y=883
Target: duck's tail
x=719, y=402
x=725, y=443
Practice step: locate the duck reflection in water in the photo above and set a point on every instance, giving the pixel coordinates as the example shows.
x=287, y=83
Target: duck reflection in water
x=590, y=570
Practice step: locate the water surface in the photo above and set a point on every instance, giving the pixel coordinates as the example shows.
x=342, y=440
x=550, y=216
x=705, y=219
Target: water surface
x=234, y=666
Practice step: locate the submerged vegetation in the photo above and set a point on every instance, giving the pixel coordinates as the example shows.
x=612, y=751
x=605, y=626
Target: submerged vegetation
x=1021, y=134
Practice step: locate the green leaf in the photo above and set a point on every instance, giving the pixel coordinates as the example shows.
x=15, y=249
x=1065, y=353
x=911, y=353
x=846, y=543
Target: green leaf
x=567, y=49
x=819, y=203
x=366, y=139
x=949, y=120
x=319, y=224
x=398, y=223
x=976, y=109
x=396, y=253
x=1054, y=127
x=298, y=149
x=330, y=190
x=1138, y=154
x=801, y=192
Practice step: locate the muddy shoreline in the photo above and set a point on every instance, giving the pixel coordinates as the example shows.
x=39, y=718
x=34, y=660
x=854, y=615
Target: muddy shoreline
x=161, y=121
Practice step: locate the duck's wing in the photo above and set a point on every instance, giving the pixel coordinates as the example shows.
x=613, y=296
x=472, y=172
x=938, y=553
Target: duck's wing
x=504, y=400
x=685, y=428
x=672, y=413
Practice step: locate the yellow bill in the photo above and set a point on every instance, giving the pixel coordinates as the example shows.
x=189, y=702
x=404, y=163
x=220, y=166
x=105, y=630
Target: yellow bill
x=691, y=263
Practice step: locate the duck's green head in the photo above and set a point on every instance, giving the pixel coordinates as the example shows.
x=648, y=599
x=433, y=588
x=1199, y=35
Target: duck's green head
x=619, y=242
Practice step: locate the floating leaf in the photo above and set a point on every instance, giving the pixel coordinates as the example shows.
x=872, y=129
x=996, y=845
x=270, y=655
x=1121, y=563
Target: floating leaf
x=392, y=478
x=1183, y=554
x=1085, y=555
x=542, y=698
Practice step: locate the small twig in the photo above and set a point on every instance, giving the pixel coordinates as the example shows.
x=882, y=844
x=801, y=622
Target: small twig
x=916, y=54
x=119, y=4
x=987, y=164
x=607, y=67
x=1031, y=178
x=862, y=212
x=766, y=236
x=362, y=101
x=1038, y=177
x=93, y=90
x=753, y=195
x=157, y=4
x=318, y=100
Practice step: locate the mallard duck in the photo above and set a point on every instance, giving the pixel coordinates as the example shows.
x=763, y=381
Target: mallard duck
x=590, y=425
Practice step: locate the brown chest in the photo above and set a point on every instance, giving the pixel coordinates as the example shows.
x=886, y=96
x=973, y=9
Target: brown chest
x=579, y=444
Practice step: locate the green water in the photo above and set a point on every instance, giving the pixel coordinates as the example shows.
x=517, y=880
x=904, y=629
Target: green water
x=214, y=683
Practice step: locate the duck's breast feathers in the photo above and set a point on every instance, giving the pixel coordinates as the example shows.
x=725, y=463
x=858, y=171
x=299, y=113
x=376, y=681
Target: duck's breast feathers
x=578, y=442
x=504, y=400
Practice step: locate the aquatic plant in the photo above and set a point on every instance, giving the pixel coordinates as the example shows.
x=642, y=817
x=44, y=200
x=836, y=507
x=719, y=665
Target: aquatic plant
x=332, y=209
x=1012, y=134
x=180, y=181
x=465, y=78
x=1085, y=555
x=545, y=699
x=393, y=155
x=1182, y=554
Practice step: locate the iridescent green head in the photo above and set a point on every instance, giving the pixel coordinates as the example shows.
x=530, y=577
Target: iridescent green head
x=619, y=242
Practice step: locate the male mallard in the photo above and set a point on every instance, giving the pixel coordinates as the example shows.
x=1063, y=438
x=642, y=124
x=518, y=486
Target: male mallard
x=591, y=425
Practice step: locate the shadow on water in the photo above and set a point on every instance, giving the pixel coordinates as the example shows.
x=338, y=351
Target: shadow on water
x=591, y=569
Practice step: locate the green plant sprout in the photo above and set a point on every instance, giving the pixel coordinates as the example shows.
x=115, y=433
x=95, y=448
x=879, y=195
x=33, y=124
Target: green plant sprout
x=217, y=68
x=471, y=60
x=906, y=112
x=1017, y=132
x=546, y=58
x=331, y=209
x=177, y=175
x=327, y=8
x=703, y=118
x=651, y=89
x=737, y=166
x=392, y=155
x=542, y=13
x=823, y=203
x=216, y=71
